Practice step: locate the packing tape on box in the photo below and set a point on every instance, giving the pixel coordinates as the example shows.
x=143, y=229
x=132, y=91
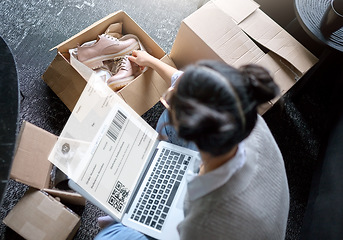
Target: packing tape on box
x=45, y=208
x=30, y=230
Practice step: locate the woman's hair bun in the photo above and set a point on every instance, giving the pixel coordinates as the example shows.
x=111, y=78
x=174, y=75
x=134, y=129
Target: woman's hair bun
x=202, y=120
x=262, y=85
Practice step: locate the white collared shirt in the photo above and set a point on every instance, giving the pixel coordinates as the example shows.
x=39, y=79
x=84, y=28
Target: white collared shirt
x=175, y=77
x=200, y=185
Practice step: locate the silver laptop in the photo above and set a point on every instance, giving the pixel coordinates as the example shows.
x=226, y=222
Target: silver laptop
x=155, y=206
x=115, y=160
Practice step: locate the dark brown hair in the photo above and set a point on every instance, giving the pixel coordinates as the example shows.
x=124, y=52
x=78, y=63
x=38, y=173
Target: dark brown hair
x=216, y=105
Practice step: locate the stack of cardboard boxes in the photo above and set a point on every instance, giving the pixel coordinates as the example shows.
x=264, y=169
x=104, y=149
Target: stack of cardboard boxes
x=234, y=31
x=41, y=213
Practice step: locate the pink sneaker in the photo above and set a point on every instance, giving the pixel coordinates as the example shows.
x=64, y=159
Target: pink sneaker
x=107, y=47
x=124, y=72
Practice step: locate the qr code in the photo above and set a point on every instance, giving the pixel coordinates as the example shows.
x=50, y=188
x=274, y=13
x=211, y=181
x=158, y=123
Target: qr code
x=118, y=196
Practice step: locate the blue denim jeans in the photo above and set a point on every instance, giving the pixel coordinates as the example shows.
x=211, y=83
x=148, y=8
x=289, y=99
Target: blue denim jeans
x=170, y=133
x=118, y=230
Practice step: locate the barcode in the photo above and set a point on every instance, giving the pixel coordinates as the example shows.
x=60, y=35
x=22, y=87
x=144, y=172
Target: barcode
x=118, y=196
x=116, y=126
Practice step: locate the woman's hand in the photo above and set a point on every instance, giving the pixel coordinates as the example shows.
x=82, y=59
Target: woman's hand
x=142, y=58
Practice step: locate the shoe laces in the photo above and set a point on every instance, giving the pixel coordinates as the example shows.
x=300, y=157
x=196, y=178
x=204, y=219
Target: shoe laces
x=110, y=37
x=119, y=64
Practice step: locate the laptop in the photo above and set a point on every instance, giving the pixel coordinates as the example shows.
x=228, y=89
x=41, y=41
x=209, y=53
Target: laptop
x=115, y=160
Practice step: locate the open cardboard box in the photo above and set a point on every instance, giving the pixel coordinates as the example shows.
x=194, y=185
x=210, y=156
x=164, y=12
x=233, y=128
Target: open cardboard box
x=68, y=83
x=38, y=216
x=32, y=167
x=238, y=32
x=234, y=31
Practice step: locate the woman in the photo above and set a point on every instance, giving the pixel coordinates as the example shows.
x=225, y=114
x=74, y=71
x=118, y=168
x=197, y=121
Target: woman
x=241, y=191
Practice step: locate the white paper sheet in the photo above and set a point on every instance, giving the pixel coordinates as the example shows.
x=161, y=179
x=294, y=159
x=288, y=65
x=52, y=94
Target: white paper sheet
x=104, y=145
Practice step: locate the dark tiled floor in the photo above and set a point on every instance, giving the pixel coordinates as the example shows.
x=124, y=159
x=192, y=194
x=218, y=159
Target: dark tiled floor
x=31, y=28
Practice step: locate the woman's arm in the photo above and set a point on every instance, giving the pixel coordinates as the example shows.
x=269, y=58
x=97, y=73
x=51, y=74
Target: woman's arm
x=144, y=59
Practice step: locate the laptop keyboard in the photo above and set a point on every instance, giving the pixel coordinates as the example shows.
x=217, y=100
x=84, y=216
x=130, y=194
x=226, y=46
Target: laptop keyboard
x=160, y=189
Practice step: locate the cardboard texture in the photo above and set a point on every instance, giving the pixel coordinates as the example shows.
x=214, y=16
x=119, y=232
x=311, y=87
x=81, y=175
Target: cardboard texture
x=68, y=84
x=28, y=167
x=238, y=32
x=38, y=216
x=64, y=80
x=31, y=165
x=211, y=29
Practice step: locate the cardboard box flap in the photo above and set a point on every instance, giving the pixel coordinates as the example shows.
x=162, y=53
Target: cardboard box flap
x=282, y=75
x=41, y=217
x=184, y=48
x=237, y=9
x=265, y=31
x=129, y=26
x=67, y=197
x=212, y=33
x=151, y=86
x=201, y=37
x=30, y=164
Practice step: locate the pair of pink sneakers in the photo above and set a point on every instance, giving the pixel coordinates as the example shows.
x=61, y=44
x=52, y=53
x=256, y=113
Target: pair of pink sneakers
x=110, y=53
